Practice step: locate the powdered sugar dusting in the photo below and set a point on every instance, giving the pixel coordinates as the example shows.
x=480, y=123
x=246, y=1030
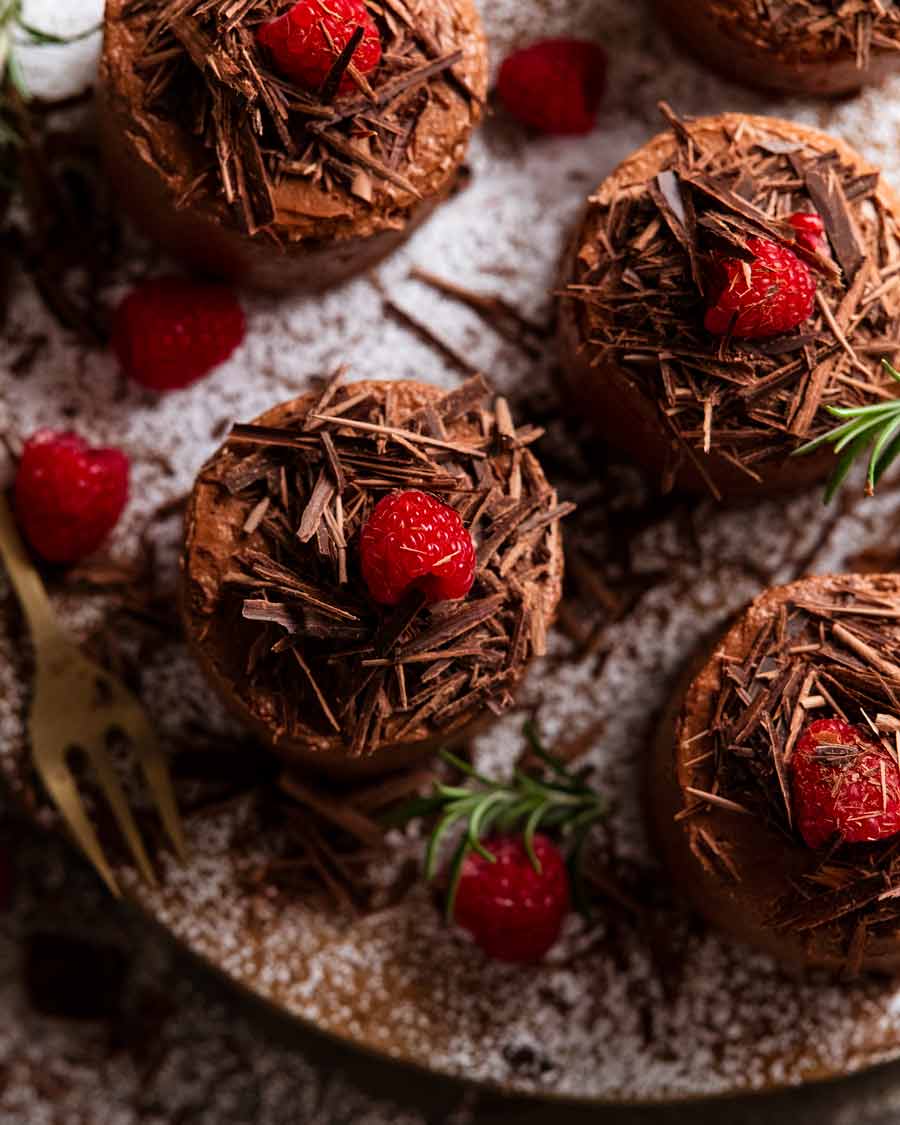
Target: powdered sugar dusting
x=600, y=1019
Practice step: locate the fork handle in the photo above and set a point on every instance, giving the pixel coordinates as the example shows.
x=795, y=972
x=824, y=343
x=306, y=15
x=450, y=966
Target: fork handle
x=25, y=579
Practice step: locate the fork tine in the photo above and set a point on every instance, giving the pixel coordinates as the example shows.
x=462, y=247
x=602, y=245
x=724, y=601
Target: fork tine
x=61, y=786
x=156, y=771
x=112, y=789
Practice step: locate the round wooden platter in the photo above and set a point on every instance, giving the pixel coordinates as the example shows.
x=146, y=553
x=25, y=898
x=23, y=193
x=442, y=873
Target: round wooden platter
x=639, y=1004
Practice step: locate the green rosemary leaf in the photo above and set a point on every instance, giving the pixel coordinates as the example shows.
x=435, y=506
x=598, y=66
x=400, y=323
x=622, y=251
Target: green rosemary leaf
x=844, y=466
x=876, y=426
x=456, y=867
x=531, y=826
x=817, y=443
x=860, y=427
x=537, y=748
x=443, y=827
x=16, y=76
x=464, y=767
x=888, y=457
x=39, y=38
x=511, y=816
x=452, y=792
x=882, y=451
x=556, y=816
x=488, y=821
x=475, y=822
x=528, y=785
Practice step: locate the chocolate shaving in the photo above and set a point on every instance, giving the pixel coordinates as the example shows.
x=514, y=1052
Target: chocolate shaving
x=828, y=198
x=341, y=63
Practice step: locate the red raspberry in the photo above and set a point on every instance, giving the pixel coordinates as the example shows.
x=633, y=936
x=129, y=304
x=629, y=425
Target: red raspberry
x=68, y=496
x=412, y=540
x=810, y=229
x=299, y=41
x=170, y=332
x=514, y=912
x=555, y=86
x=843, y=782
x=766, y=297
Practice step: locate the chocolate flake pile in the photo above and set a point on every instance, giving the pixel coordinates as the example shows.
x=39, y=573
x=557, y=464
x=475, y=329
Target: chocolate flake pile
x=641, y=275
x=326, y=660
x=203, y=67
x=821, y=657
x=818, y=27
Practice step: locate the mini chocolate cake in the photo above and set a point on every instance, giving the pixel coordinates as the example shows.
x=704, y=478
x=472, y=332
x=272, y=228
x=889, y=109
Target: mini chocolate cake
x=814, y=47
x=274, y=602
x=714, y=412
x=729, y=793
x=238, y=171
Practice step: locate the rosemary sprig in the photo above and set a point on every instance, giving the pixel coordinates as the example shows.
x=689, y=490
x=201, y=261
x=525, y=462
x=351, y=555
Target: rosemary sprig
x=15, y=32
x=555, y=799
x=12, y=21
x=862, y=427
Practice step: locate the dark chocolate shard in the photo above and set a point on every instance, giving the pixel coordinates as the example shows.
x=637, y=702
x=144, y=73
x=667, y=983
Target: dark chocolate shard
x=828, y=196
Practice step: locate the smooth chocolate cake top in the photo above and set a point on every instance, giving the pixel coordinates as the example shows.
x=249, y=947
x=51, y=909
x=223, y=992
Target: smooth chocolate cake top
x=821, y=649
x=273, y=581
x=213, y=116
x=642, y=268
x=814, y=29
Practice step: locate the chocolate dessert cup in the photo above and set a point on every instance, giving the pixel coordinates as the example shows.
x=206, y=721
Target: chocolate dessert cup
x=710, y=413
x=810, y=48
x=236, y=173
x=276, y=610
x=719, y=789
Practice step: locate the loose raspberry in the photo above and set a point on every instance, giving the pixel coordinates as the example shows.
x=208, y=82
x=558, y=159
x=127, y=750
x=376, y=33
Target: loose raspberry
x=306, y=41
x=412, y=540
x=170, y=332
x=68, y=496
x=513, y=911
x=810, y=229
x=555, y=86
x=844, y=783
x=766, y=297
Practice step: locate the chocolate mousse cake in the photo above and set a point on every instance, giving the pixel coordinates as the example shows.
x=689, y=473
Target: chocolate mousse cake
x=774, y=790
x=728, y=282
x=287, y=146
x=291, y=597
x=814, y=47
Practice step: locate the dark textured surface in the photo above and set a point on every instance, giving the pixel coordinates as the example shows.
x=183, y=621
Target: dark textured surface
x=171, y=1051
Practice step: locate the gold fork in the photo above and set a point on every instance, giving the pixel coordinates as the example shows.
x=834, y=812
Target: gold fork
x=76, y=703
